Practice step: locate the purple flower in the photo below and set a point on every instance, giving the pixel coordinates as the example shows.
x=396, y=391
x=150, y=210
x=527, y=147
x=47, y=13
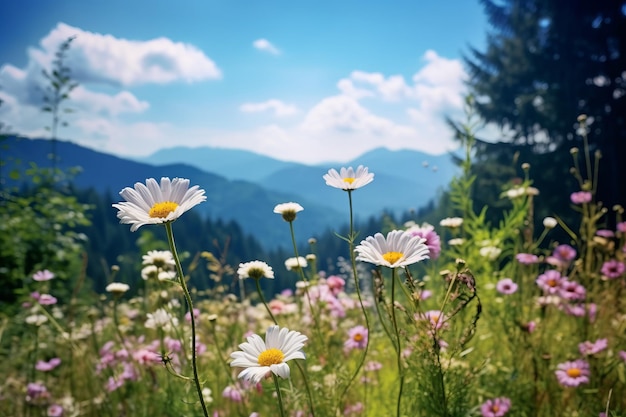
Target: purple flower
x=44, y=275
x=55, y=410
x=622, y=355
x=527, y=258
x=581, y=197
x=621, y=227
x=496, y=407
x=196, y=314
x=613, y=269
x=572, y=374
x=605, y=233
x=232, y=393
x=47, y=300
x=357, y=338
x=35, y=390
x=373, y=366
x=589, y=348
x=550, y=281
x=433, y=241
x=564, y=253
x=571, y=290
x=506, y=286
x=47, y=366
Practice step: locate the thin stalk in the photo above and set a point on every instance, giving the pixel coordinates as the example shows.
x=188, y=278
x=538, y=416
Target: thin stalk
x=350, y=240
x=279, y=396
x=269, y=311
x=183, y=284
x=398, y=347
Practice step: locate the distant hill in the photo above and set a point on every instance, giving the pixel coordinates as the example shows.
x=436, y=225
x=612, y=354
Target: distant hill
x=247, y=203
x=404, y=179
x=233, y=164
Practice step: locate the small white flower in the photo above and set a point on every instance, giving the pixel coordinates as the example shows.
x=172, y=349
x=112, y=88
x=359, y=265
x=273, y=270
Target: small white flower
x=159, y=258
x=451, y=222
x=398, y=249
x=161, y=318
x=456, y=241
x=255, y=269
x=259, y=357
x=347, y=179
x=490, y=252
x=295, y=263
x=154, y=203
x=36, y=319
x=549, y=222
x=166, y=275
x=117, y=287
x=149, y=272
x=288, y=210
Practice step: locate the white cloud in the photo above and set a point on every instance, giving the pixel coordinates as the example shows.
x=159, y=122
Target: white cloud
x=122, y=102
x=105, y=58
x=266, y=46
x=279, y=108
x=346, y=114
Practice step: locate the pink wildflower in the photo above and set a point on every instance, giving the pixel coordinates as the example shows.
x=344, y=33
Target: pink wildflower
x=621, y=227
x=605, y=233
x=506, y=286
x=589, y=348
x=573, y=374
x=196, y=314
x=373, y=366
x=550, y=281
x=55, y=410
x=357, y=338
x=47, y=366
x=44, y=275
x=496, y=407
x=433, y=241
x=613, y=269
x=562, y=256
x=354, y=409
x=336, y=284
x=232, y=393
x=571, y=290
x=47, y=300
x=581, y=197
x=527, y=258
x=622, y=355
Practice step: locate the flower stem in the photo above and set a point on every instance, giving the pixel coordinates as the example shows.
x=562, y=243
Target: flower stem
x=279, y=396
x=398, y=346
x=351, y=238
x=181, y=279
x=258, y=289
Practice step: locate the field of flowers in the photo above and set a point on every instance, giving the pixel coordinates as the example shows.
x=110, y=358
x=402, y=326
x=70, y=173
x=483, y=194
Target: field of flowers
x=461, y=318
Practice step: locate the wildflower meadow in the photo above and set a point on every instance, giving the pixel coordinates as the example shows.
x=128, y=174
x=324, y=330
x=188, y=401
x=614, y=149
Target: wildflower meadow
x=457, y=318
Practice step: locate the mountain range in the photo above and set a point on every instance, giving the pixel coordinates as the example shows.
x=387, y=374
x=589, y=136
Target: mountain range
x=243, y=186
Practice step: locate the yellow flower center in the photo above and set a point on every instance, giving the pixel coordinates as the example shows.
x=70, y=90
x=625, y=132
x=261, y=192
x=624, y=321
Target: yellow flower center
x=495, y=408
x=392, y=257
x=271, y=356
x=349, y=180
x=551, y=283
x=573, y=372
x=435, y=318
x=162, y=209
x=357, y=337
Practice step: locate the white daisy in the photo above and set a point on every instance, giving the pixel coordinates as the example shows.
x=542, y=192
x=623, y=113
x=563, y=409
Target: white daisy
x=451, y=222
x=256, y=270
x=159, y=258
x=288, y=210
x=161, y=319
x=346, y=179
x=117, y=288
x=295, y=263
x=260, y=357
x=398, y=249
x=155, y=203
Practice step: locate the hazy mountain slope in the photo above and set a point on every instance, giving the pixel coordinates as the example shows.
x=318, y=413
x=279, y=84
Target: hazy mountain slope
x=230, y=163
x=247, y=203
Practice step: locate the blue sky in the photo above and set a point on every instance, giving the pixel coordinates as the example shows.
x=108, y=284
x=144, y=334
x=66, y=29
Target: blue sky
x=297, y=80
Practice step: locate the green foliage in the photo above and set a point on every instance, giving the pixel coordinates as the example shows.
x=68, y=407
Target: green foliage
x=38, y=230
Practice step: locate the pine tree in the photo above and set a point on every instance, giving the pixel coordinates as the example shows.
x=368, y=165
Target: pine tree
x=548, y=61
